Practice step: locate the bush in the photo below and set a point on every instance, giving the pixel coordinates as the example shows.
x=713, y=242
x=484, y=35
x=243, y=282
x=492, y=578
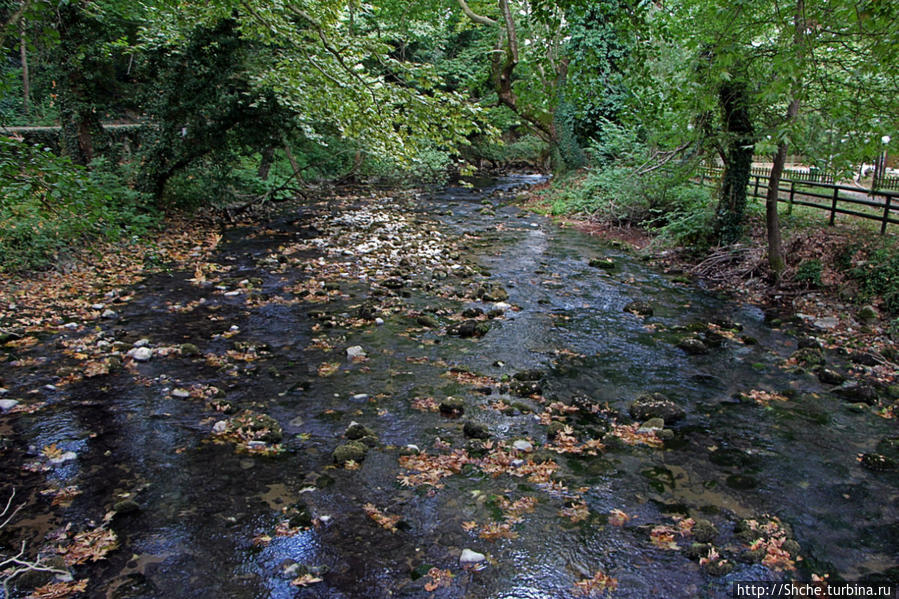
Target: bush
x=49, y=206
x=809, y=273
x=611, y=191
x=879, y=276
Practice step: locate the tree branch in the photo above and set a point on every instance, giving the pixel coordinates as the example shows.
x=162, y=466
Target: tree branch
x=473, y=16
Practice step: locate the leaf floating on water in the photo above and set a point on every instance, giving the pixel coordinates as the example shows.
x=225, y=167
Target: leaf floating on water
x=439, y=578
x=328, y=368
x=618, y=518
x=577, y=512
x=90, y=545
x=763, y=398
x=59, y=590
x=663, y=537
x=305, y=580
x=383, y=520
x=593, y=587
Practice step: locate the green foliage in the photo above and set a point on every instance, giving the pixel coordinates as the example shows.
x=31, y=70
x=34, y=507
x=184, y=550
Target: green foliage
x=879, y=276
x=49, y=206
x=809, y=273
x=614, y=191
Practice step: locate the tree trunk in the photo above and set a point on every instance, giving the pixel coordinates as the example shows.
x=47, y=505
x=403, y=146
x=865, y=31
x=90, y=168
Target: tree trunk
x=265, y=165
x=737, y=162
x=772, y=220
x=26, y=78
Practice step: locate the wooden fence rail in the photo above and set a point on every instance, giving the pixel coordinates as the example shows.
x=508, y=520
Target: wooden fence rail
x=883, y=205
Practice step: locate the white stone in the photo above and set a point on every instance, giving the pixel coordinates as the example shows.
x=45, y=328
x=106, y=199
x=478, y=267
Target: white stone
x=470, y=557
x=98, y=306
x=360, y=397
x=109, y=314
x=522, y=445
x=142, y=343
x=379, y=321
x=8, y=404
x=142, y=354
x=181, y=393
x=67, y=456
x=71, y=326
x=232, y=293
x=219, y=427
x=355, y=352
x=3, y=391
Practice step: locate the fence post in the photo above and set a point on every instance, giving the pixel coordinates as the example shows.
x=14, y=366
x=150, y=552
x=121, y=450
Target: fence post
x=702, y=177
x=756, y=192
x=886, y=212
x=833, y=205
x=792, y=193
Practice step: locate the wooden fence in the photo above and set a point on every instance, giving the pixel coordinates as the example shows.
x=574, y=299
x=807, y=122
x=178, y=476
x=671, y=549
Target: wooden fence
x=882, y=205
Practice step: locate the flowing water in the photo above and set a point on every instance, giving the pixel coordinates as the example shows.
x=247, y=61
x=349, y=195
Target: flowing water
x=205, y=516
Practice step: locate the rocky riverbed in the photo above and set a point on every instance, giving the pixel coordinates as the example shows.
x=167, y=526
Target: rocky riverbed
x=434, y=394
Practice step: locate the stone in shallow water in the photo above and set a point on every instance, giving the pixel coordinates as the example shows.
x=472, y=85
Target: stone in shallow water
x=470, y=558
x=355, y=352
x=522, y=445
x=142, y=354
x=8, y=404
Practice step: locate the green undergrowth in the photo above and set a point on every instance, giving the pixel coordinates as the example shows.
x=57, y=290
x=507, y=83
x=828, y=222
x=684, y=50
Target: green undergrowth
x=625, y=185
x=50, y=207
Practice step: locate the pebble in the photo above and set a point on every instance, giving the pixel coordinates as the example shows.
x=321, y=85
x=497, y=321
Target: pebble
x=71, y=326
x=354, y=352
x=3, y=391
x=470, y=557
x=232, y=293
x=142, y=342
x=109, y=314
x=142, y=354
x=181, y=393
x=67, y=456
x=522, y=445
x=8, y=404
x=98, y=306
x=360, y=397
x=219, y=427
x=379, y=321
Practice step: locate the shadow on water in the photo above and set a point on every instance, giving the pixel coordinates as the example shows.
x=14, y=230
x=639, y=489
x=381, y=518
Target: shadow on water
x=208, y=516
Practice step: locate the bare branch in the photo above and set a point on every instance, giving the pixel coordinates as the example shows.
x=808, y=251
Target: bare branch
x=473, y=16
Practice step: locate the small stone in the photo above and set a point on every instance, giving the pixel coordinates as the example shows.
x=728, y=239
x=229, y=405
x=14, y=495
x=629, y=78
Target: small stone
x=693, y=346
x=356, y=431
x=469, y=328
x=470, y=558
x=639, y=308
x=142, y=343
x=219, y=427
x=353, y=451
x=379, y=321
x=867, y=313
x=189, y=349
x=654, y=424
x=181, y=393
x=109, y=314
x=360, y=397
x=410, y=450
x=476, y=430
x=97, y=306
x=355, y=352
x=452, y=406
x=522, y=445
x=656, y=405
x=830, y=377
x=428, y=321
x=877, y=462
x=142, y=354
x=8, y=404
x=704, y=531
x=3, y=391
x=127, y=506
x=257, y=445
x=603, y=263
x=71, y=326
x=826, y=323
x=66, y=457
x=855, y=392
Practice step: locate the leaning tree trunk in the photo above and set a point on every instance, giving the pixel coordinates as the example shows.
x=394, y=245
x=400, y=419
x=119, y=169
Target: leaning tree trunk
x=737, y=162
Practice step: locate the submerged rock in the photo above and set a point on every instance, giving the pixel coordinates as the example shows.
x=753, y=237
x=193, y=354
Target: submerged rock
x=830, y=377
x=854, y=391
x=142, y=354
x=639, y=308
x=7, y=404
x=469, y=328
x=476, y=430
x=656, y=405
x=452, y=406
x=353, y=451
x=470, y=558
x=693, y=346
x=356, y=431
x=355, y=352
x=704, y=531
x=602, y=263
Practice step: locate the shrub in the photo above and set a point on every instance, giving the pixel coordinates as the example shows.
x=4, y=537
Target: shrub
x=879, y=276
x=49, y=206
x=809, y=273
